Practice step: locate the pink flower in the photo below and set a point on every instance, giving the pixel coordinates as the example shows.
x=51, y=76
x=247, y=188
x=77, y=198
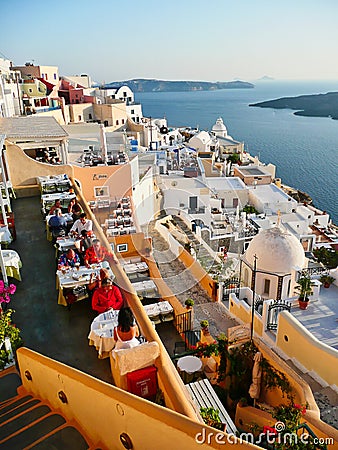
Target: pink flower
x=11, y=288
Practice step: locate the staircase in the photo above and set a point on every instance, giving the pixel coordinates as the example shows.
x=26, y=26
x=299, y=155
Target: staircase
x=326, y=396
x=203, y=256
x=29, y=423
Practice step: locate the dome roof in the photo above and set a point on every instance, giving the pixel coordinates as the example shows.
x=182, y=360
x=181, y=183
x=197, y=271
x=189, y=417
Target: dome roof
x=219, y=126
x=277, y=251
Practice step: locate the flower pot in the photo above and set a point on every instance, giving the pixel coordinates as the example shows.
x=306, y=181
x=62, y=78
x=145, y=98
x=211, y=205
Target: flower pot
x=206, y=331
x=326, y=285
x=303, y=304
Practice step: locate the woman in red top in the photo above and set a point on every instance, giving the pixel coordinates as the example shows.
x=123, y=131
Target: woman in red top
x=106, y=297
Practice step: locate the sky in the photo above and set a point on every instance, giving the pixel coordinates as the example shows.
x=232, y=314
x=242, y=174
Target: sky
x=214, y=40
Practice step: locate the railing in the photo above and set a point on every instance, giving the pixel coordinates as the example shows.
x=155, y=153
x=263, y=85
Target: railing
x=273, y=311
x=310, y=271
x=183, y=322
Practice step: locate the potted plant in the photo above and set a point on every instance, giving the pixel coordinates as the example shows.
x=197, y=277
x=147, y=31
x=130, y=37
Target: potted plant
x=189, y=303
x=204, y=326
x=243, y=402
x=8, y=331
x=327, y=280
x=304, y=289
x=211, y=418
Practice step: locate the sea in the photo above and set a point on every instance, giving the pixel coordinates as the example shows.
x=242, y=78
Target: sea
x=304, y=149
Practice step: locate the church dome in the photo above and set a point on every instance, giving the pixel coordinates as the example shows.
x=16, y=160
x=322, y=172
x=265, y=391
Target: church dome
x=277, y=251
x=219, y=127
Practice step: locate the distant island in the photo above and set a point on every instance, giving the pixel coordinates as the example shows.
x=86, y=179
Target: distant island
x=316, y=105
x=145, y=85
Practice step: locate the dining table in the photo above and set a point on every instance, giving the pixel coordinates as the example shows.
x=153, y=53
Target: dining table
x=146, y=288
x=12, y=263
x=74, y=277
x=189, y=367
x=101, y=334
x=67, y=216
x=5, y=236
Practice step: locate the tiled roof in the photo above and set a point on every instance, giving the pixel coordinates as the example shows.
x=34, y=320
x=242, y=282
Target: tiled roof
x=31, y=127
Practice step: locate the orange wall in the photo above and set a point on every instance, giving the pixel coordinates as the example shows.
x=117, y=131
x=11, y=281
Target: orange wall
x=205, y=280
x=103, y=411
x=117, y=178
x=24, y=170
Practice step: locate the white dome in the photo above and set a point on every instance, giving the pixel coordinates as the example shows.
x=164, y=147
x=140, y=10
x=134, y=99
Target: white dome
x=219, y=126
x=277, y=251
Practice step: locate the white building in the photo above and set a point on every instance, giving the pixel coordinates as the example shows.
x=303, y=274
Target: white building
x=279, y=256
x=120, y=94
x=269, y=199
x=203, y=142
x=10, y=91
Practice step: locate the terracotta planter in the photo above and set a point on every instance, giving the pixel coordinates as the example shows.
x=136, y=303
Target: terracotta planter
x=302, y=304
x=326, y=285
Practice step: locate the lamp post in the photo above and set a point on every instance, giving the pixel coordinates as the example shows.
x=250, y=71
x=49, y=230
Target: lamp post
x=253, y=297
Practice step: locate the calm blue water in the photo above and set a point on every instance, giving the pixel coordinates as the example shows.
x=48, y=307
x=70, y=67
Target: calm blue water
x=304, y=149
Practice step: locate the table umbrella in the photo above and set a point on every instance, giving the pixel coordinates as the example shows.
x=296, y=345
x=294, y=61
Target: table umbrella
x=255, y=386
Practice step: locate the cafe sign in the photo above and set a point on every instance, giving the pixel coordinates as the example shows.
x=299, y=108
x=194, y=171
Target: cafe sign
x=100, y=176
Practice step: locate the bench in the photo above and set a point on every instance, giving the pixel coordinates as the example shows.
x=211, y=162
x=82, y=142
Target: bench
x=204, y=396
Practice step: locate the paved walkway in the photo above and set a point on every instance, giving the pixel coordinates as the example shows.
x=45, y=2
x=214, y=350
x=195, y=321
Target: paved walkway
x=320, y=317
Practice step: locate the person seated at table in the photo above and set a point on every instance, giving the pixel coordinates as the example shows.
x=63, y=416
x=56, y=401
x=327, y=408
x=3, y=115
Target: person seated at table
x=83, y=244
x=96, y=282
x=68, y=259
x=107, y=297
x=126, y=332
x=97, y=253
x=75, y=209
x=57, y=205
x=57, y=224
x=82, y=224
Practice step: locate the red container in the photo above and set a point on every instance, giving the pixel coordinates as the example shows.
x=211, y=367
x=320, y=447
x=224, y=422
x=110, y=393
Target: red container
x=143, y=382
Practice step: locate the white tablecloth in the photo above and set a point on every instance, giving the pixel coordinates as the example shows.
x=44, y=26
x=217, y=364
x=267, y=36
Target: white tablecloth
x=12, y=263
x=66, y=243
x=74, y=277
x=136, y=267
x=189, y=364
x=57, y=196
x=5, y=236
x=101, y=333
x=146, y=288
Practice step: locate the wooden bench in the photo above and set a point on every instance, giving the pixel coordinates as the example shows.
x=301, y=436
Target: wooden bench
x=204, y=396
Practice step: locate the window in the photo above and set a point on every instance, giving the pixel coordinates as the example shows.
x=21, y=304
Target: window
x=132, y=111
x=289, y=286
x=90, y=116
x=80, y=118
x=266, y=287
x=101, y=191
x=54, y=76
x=121, y=248
x=234, y=202
x=46, y=76
x=30, y=90
x=117, y=122
x=246, y=277
x=122, y=121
